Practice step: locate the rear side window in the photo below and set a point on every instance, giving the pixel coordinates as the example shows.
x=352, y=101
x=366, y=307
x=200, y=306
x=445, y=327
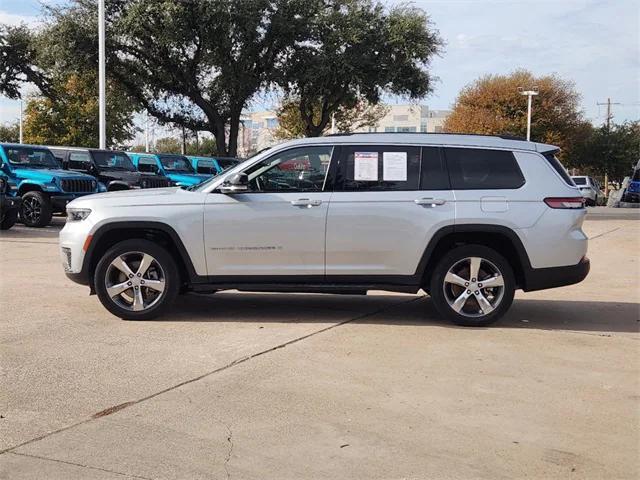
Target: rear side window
x=79, y=161
x=379, y=168
x=557, y=166
x=579, y=180
x=482, y=169
x=147, y=165
x=433, y=173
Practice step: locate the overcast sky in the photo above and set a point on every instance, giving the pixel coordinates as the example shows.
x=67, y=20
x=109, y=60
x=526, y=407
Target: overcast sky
x=595, y=43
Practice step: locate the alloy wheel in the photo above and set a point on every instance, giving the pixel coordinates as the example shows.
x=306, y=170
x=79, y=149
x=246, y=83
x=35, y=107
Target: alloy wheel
x=31, y=209
x=473, y=287
x=135, y=281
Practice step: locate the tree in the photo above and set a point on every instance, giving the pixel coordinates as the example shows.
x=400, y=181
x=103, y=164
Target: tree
x=72, y=117
x=493, y=105
x=291, y=125
x=19, y=62
x=194, y=64
x=355, y=51
x=10, y=132
x=610, y=150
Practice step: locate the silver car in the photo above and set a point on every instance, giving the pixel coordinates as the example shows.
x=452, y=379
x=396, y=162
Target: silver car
x=590, y=190
x=468, y=219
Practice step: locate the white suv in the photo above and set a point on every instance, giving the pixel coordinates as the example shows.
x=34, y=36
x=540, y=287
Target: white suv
x=466, y=218
x=589, y=189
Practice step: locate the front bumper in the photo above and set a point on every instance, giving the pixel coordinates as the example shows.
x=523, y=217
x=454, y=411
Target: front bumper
x=59, y=202
x=543, y=278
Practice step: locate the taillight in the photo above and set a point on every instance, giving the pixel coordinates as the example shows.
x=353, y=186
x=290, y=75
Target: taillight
x=565, y=202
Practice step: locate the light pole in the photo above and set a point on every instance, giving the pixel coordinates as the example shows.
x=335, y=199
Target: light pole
x=529, y=94
x=20, y=130
x=102, y=117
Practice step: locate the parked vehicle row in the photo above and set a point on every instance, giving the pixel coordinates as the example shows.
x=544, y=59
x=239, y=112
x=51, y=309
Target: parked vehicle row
x=46, y=178
x=467, y=218
x=590, y=189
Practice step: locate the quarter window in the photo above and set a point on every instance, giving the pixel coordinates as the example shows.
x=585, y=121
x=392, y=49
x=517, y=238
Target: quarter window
x=206, y=167
x=379, y=168
x=297, y=170
x=482, y=169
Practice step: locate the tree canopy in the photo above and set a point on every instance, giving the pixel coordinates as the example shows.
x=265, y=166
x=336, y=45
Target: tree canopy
x=354, y=51
x=493, y=105
x=199, y=64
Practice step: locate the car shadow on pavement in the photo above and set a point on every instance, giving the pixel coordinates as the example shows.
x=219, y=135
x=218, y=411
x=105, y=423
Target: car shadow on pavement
x=588, y=316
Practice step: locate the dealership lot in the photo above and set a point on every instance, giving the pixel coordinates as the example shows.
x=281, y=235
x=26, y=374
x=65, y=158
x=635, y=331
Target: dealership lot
x=311, y=386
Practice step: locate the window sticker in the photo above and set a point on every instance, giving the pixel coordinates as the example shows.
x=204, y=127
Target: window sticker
x=365, y=166
x=394, y=166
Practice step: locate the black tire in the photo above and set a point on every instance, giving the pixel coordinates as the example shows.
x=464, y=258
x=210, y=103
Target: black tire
x=9, y=219
x=36, y=210
x=167, y=265
x=439, y=290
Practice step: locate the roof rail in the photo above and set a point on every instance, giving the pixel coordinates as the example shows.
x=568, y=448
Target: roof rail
x=504, y=137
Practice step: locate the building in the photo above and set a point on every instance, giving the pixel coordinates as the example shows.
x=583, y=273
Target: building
x=257, y=128
x=410, y=118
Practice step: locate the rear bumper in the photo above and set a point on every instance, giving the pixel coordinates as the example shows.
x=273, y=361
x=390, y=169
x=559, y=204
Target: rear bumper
x=543, y=278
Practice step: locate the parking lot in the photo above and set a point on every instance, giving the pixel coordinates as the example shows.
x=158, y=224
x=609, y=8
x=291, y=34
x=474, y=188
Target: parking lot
x=289, y=386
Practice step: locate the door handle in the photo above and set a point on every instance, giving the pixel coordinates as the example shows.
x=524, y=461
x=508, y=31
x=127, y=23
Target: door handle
x=430, y=202
x=305, y=202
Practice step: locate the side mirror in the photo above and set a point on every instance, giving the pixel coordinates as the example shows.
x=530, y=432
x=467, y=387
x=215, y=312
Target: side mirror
x=5, y=168
x=238, y=183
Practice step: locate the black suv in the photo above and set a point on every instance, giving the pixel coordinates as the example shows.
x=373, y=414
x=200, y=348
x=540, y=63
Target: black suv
x=111, y=168
x=9, y=206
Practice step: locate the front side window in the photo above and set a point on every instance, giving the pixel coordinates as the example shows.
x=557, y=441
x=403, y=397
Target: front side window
x=379, y=168
x=79, y=161
x=296, y=170
x=113, y=161
x=176, y=163
x=31, y=157
x=147, y=165
x=483, y=169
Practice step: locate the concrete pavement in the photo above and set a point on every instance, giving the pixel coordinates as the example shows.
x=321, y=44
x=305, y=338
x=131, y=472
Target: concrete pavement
x=311, y=386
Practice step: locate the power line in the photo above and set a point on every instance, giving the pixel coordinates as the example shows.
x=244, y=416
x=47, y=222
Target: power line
x=608, y=103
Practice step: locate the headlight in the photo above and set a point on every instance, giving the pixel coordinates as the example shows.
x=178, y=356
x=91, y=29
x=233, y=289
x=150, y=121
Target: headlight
x=77, y=214
x=94, y=184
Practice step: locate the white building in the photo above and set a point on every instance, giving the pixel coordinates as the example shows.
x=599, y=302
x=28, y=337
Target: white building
x=257, y=128
x=410, y=118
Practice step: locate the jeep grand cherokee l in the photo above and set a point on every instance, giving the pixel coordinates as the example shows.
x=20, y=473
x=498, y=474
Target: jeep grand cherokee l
x=469, y=219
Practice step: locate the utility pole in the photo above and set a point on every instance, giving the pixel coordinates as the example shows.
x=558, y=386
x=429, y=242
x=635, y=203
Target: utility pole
x=184, y=142
x=20, y=130
x=608, y=103
x=529, y=94
x=102, y=117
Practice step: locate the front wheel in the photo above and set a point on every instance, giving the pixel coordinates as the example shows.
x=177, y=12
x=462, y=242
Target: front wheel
x=36, y=210
x=137, y=280
x=472, y=285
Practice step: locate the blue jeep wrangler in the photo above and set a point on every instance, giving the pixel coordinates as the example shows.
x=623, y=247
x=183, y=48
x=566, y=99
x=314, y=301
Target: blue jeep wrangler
x=176, y=168
x=39, y=179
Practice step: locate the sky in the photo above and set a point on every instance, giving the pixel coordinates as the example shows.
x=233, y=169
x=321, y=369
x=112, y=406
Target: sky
x=594, y=43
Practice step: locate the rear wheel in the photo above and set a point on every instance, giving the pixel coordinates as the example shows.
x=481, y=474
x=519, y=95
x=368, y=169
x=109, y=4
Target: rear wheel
x=472, y=285
x=137, y=280
x=35, y=210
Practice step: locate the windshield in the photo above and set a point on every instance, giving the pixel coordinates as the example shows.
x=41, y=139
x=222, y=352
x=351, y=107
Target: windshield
x=579, y=180
x=31, y=157
x=203, y=185
x=113, y=161
x=176, y=163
